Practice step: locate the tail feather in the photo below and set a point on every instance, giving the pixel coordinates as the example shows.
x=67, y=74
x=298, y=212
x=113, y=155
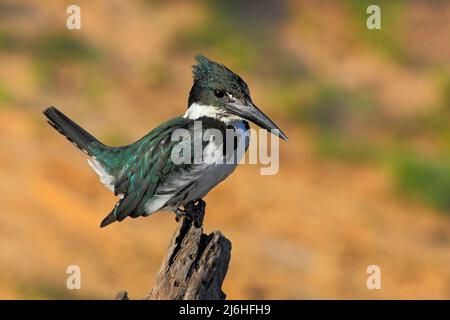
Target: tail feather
x=92, y=147
x=110, y=218
x=73, y=132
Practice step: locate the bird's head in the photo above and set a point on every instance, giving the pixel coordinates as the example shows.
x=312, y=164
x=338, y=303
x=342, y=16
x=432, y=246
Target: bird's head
x=220, y=93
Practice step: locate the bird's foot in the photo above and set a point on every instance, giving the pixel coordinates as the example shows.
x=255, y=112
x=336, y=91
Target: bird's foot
x=194, y=211
x=180, y=213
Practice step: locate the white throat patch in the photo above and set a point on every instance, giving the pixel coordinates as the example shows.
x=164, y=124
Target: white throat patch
x=196, y=111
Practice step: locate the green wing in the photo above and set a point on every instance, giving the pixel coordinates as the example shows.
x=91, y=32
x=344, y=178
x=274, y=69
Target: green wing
x=141, y=167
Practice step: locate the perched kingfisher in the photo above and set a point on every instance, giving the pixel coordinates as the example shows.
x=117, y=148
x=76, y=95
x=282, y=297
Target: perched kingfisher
x=143, y=174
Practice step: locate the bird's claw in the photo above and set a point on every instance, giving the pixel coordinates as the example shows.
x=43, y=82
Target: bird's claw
x=180, y=213
x=193, y=211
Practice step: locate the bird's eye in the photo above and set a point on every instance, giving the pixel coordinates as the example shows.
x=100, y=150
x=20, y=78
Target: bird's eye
x=218, y=93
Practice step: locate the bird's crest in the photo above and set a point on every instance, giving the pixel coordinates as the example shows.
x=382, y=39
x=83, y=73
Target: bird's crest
x=209, y=71
x=205, y=68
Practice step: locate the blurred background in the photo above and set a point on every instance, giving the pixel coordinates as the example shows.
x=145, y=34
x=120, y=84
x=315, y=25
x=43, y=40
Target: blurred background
x=364, y=179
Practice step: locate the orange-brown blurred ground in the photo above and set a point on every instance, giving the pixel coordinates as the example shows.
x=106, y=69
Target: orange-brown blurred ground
x=309, y=231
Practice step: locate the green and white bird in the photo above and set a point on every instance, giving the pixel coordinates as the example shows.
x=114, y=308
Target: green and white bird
x=144, y=174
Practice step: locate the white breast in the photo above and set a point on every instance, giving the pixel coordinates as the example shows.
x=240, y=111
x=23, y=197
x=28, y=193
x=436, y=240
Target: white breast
x=201, y=178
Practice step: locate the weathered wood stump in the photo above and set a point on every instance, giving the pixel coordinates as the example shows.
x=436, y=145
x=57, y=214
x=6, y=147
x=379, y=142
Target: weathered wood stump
x=195, y=265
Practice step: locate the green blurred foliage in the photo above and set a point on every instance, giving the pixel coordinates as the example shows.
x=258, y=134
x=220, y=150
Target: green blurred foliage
x=338, y=118
x=157, y=75
x=53, y=50
x=5, y=94
x=64, y=47
x=443, y=84
x=334, y=109
x=6, y=41
x=241, y=31
x=345, y=148
x=387, y=39
x=423, y=178
x=241, y=52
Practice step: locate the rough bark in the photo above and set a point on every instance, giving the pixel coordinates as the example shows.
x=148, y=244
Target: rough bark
x=194, y=267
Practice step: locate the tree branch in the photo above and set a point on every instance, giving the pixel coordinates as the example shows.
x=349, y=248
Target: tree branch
x=194, y=267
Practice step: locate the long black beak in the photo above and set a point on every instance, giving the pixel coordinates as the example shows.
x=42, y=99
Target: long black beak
x=251, y=113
